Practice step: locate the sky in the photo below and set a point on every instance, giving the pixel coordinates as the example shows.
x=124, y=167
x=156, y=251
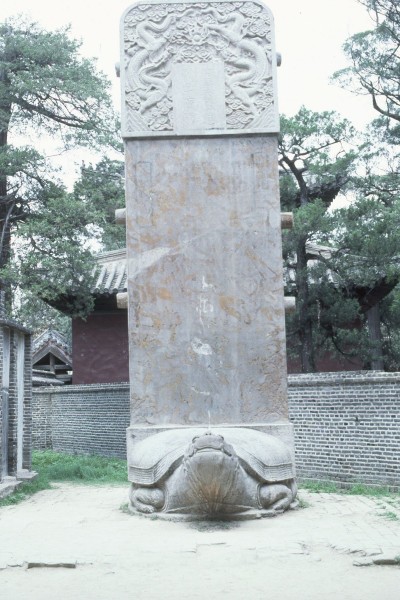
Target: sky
x=309, y=35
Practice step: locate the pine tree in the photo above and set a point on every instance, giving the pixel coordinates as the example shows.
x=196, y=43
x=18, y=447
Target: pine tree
x=48, y=88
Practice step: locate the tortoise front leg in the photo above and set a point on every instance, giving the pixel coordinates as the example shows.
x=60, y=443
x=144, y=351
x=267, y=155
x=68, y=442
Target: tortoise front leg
x=275, y=496
x=147, y=500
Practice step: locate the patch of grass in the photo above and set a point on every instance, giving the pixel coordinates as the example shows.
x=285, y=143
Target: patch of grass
x=25, y=490
x=390, y=516
x=303, y=503
x=358, y=489
x=394, y=500
x=56, y=466
x=319, y=487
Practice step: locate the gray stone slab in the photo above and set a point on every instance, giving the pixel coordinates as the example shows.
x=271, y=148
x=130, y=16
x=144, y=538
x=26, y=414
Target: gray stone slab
x=206, y=314
x=198, y=96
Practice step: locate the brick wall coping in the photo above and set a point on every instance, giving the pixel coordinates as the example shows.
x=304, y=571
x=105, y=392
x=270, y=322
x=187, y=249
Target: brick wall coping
x=297, y=380
x=79, y=389
x=343, y=378
x=14, y=325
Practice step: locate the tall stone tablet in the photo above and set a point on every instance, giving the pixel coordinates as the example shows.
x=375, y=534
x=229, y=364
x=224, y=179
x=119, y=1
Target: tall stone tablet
x=206, y=307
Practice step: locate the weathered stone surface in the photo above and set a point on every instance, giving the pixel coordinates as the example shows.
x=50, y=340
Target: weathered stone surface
x=211, y=472
x=206, y=317
x=205, y=275
x=198, y=68
x=282, y=431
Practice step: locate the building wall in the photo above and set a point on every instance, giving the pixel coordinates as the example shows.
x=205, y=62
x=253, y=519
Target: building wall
x=326, y=363
x=101, y=355
x=100, y=348
x=347, y=425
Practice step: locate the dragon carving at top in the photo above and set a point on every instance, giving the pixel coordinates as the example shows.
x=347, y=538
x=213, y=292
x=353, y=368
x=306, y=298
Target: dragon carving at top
x=158, y=35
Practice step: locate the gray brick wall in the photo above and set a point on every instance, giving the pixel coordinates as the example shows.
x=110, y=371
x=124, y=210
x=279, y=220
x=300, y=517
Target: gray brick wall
x=15, y=398
x=82, y=419
x=42, y=419
x=347, y=425
x=27, y=442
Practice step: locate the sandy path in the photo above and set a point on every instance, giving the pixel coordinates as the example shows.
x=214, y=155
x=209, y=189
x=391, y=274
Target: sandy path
x=305, y=554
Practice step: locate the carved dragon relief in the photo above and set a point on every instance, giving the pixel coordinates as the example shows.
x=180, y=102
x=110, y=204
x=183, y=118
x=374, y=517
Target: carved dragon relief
x=157, y=36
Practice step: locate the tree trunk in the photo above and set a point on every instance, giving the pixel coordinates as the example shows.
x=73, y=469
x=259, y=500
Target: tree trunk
x=305, y=323
x=375, y=337
x=5, y=222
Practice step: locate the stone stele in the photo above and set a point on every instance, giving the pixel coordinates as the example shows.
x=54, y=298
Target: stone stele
x=209, y=433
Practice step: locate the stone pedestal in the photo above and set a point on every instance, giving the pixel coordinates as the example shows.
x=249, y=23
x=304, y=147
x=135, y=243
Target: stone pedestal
x=206, y=310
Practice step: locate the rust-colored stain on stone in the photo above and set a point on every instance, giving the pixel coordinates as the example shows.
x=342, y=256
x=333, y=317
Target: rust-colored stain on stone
x=254, y=256
x=227, y=303
x=149, y=239
x=164, y=294
x=217, y=282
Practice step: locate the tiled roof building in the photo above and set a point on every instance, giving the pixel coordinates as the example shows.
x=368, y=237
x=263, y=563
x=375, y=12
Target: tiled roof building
x=100, y=342
x=51, y=359
x=110, y=277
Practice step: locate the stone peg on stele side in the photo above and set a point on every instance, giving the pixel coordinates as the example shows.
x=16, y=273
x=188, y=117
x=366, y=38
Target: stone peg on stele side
x=209, y=434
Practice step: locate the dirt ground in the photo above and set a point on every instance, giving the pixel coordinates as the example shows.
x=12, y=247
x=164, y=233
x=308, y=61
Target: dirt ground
x=75, y=542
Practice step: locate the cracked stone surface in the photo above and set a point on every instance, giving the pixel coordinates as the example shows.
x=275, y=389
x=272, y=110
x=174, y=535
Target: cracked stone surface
x=294, y=556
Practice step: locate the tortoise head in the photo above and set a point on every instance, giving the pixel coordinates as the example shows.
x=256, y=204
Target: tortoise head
x=209, y=442
x=211, y=470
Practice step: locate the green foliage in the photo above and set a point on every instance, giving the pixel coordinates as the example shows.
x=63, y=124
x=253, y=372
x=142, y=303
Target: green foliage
x=316, y=159
x=314, y=150
x=46, y=86
x=53, y=466
x=319, y=160
x=390, y=319
x=326, y=487
x=101, y=189
x=368, y=236
x=310, y=221
x=391, y=516
x=38, y=316
x=311, y=135
x=58, y=466
x=358, y=489
x=375, y=60
x=303, y=503
x=51, y=258
x=25, y=490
